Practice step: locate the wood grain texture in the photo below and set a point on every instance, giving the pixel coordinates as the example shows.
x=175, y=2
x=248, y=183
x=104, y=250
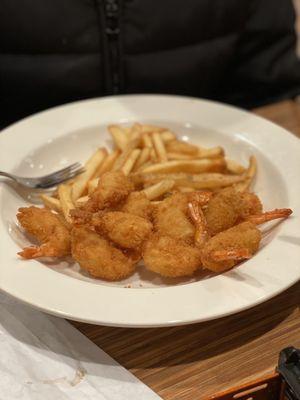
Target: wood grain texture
x=196, y=361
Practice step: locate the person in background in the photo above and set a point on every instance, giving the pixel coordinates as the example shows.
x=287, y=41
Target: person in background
x=57, y=51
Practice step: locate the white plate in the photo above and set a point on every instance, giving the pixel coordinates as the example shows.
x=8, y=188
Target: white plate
x=69, y=133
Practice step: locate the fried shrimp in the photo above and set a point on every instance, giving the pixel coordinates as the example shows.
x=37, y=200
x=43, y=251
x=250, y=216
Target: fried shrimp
x=229, y=206
x=171, y=216
x=138, y=204
x=249, y=204
x=170, y=257
x=225, y=249
x=99, y=257
x=113, y=188
x=124, y=229
x=48, y=229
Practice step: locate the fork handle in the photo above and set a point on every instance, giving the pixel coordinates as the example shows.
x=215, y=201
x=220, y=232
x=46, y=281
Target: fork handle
x=2, y=173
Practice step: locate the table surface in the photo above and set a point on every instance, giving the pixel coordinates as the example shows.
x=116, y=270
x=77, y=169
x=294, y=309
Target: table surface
x=196, y=361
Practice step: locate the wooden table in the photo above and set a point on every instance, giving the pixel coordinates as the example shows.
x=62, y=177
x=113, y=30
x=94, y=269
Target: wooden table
x=195, y=361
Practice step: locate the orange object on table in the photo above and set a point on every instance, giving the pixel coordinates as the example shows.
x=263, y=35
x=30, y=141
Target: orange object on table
x=281, y=385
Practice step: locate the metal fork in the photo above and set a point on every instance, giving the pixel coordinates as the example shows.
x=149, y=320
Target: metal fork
x=47, y=181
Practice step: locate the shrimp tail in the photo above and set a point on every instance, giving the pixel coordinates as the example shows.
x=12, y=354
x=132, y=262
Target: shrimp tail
x=197, y=216
x=37, y=251
x=259, y=219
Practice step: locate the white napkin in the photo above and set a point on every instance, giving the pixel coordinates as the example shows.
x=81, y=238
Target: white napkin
x=44, y=357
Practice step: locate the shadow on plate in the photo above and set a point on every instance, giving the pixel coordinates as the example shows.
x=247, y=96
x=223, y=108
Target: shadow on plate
x=290, y=239
x=31, y=196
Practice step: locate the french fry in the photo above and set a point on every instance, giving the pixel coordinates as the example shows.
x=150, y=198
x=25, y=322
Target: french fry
x=51, y=202
x=234, y=167
x=129, y=163
x=135, y=131
x=243, y=186
x=210, y=181
x=196, y=181
x=108, y=163
x=98, y=170
x=180, y=156
x=82, y=200
x=65, y=198
x=127, y=131
x=159, y=147
x=252, y=169
x=177, y=146
x=185, y=189
x=120, y=161
x=142, y=167
x=160, y=188
x=153, y=157
x=147, y=141
x=213, y=152
x=167, y=136
x=191, y=166
x=91, y=166
x=92, y=184
x=152, y=128
x=248, y=176
x=143, y=158
x=119, y=137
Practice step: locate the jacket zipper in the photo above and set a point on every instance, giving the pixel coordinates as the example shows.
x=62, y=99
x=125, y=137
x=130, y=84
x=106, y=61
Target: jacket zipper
x=112, y=30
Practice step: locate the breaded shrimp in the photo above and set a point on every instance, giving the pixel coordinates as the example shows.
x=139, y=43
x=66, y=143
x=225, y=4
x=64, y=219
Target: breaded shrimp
x=138, y=204
x=250, y=204
x=99, y=257
x=48, y=228
x=171, y=216
x=124, y=229
x=170, y=257
x=113, y=188
x=227, y=248
x=228, y=207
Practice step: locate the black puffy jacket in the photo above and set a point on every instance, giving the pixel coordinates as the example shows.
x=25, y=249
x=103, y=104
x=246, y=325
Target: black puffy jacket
x=56, y=51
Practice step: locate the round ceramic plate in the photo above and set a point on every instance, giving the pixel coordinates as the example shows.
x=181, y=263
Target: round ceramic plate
x=49, y=140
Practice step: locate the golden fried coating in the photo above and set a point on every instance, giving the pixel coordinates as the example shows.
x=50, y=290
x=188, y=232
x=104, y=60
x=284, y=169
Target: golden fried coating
x=124, y=229
x=228, y=207
x=112, y=189
x=99, y=257
x=170, y=257
x=81, y=216
x=236, y=243
x=138, y=204
x=250, y=204
x=48, y=229
x=178, y=200
x=171, y=218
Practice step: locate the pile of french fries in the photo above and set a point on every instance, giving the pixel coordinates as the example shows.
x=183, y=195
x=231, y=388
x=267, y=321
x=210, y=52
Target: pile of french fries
x=157, y=162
